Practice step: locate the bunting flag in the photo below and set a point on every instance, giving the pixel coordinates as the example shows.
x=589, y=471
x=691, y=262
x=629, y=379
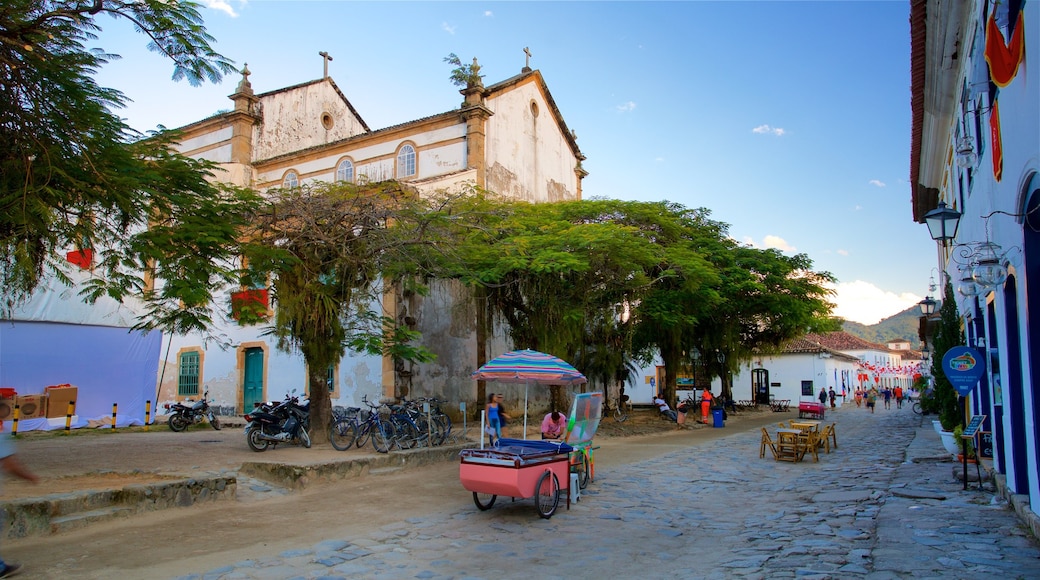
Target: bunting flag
x=1003, y=59
x=995, y=141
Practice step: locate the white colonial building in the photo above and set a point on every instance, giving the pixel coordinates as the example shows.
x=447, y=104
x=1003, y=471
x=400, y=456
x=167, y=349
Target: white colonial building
x=508, y=138
x=975, y=154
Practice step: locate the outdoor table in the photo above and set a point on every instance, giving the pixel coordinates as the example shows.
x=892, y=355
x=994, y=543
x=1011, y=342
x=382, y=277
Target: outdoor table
x=789, y=446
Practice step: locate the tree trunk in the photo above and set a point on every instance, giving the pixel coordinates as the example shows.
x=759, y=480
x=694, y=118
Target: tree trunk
x=321, y=405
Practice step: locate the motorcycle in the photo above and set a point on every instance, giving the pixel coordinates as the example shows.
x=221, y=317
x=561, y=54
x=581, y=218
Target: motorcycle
x=285, y=422
x=183, y=416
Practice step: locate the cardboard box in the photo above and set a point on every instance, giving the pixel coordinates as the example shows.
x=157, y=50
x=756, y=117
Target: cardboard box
x=32, y=406
x=6, y=409
x=58, y=398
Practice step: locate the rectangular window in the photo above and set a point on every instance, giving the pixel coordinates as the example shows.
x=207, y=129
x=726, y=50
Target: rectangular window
x=807, y=389
x=330, y=379
x=188, y=375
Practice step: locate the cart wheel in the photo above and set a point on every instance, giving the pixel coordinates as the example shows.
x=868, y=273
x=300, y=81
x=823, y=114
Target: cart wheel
x=484, y=501
x=547, y=494
x=584, y=471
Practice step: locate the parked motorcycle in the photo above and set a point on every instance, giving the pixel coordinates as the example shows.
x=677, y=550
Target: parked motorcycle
x=285, y=422
x=183, y=416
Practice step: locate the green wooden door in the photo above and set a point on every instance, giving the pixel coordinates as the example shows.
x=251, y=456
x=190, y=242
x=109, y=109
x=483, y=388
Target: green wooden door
x=253, y=381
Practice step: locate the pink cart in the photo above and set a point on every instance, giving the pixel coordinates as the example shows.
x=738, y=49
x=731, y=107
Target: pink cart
x=519, y=469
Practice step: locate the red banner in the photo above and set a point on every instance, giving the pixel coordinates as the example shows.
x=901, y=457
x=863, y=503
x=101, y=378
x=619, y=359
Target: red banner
x=1003, y=59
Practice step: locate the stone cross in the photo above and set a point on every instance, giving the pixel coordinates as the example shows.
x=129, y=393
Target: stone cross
x=325, y=57
x=527, y=59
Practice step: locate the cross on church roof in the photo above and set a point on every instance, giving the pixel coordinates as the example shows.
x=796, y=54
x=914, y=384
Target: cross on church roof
x=527, y=60
x=326, y=57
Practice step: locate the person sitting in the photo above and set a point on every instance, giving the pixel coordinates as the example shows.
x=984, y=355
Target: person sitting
x=664, y=408
x=553, y=425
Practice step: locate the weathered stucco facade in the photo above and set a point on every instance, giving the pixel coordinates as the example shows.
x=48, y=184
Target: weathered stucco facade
x=508, y=137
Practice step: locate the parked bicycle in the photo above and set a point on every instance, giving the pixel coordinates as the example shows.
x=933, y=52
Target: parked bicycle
x=359, y=426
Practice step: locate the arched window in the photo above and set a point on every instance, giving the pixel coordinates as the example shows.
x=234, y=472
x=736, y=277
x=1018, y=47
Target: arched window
x=406, y=161
x=291, y=180
x=345, y=171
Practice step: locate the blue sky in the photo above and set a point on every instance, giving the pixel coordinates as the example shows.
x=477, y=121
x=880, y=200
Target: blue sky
x=790, y=121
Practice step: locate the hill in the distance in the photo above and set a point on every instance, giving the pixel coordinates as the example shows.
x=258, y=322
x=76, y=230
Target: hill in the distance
x=903, y=325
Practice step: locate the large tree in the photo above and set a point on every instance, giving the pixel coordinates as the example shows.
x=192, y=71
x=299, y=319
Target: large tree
x=73, y=175
x=330, y=252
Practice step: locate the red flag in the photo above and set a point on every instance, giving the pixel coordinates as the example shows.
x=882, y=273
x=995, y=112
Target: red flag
x=994, y=137
x=1003, y=59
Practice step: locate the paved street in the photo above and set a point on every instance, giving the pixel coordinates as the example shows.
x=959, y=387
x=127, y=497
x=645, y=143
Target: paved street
x=710, y=510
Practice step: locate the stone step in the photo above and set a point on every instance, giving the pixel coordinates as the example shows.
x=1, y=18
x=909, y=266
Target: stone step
x=64, y=511
x=83, y=519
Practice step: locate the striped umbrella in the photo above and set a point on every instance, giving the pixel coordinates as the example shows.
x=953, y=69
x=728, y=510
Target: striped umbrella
x=529, y=366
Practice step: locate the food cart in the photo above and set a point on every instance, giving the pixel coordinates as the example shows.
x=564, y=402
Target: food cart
x=518, y=469
x=535, y=469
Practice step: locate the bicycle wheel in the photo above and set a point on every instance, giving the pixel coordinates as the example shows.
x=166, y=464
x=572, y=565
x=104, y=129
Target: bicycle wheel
x=343, y=434
x=424, y=431
x=584, y=470
x=382, y=436
x=484, y=501
x=547, y=494
x=438, y=430
x=364, y=430
x=445, y=422
x=406, y=435
x=917, y=407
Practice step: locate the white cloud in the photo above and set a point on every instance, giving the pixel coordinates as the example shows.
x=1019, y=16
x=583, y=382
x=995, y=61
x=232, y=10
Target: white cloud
x=626, y=107
x=877, y=182
x=223, y=6
x=778, y=243
x=447, y=28
x=489, y=14
x=865, y=303
x=858, y=207
x=659, y=159
x=766, y=129
x=770, y=242
x=843, y=252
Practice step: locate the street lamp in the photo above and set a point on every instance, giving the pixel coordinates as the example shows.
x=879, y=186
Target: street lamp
x=927, y=306
x=942, y=222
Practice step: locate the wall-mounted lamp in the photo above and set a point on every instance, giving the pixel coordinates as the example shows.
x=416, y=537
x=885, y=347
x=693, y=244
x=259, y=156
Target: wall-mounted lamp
x=927, y=306
x=942, y=222
x=980, y=341
x=925, y=351
x=966, y=286
x=966, y=156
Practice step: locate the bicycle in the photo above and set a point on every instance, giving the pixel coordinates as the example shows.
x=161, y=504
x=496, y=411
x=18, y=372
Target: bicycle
x=369, y=426
x=620, y=412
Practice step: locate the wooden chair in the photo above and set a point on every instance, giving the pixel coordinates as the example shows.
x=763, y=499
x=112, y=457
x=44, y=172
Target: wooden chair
x=767, y=441
x=809, y=442
x=828, y=436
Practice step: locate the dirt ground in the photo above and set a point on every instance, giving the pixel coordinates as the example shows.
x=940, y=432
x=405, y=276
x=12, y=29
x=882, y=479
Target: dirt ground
x=158, y=544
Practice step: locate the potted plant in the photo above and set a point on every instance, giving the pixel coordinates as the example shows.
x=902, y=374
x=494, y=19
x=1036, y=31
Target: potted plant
x=958, y=431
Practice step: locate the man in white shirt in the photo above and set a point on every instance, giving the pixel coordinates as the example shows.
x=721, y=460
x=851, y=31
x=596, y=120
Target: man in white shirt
x=664, y=408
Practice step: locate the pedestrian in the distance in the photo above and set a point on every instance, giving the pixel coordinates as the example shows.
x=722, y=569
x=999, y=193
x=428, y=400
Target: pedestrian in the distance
x=12, y=466
x=887, y=394
x=833, y=396
x=823, y=396
x=871, y=399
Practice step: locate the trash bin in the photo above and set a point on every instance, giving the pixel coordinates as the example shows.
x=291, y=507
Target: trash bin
x=716, y=415
x=680, y=417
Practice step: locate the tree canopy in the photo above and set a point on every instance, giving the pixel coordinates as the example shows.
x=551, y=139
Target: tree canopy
x=73, y=175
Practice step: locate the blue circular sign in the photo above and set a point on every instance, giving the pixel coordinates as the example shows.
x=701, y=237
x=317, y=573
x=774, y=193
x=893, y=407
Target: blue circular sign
x=963, y=366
